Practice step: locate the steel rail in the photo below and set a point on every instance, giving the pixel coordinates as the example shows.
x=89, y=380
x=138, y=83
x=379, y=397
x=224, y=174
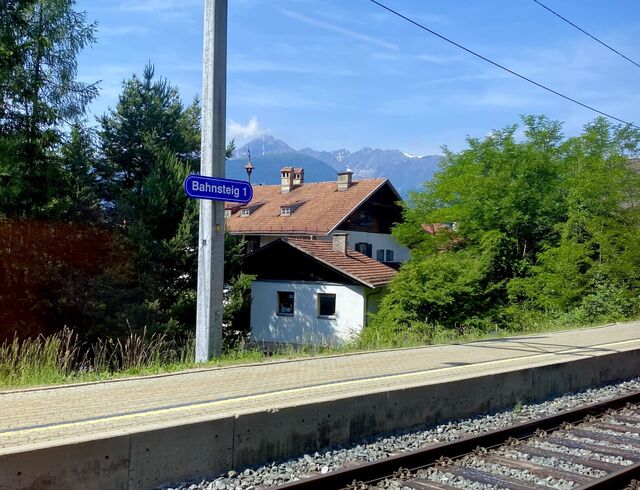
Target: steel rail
x=617, y=479
x=420, y=458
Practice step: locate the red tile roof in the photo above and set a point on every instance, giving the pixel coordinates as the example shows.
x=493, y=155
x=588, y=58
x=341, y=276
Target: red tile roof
x=323, y=208
x=358, y=266
x=434, y=228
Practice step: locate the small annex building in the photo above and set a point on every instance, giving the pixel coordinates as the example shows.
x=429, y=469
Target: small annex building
x=312, y=291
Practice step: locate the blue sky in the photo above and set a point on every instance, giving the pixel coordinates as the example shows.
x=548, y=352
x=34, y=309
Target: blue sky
x=333, y=74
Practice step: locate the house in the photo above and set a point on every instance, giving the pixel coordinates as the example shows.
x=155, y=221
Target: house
x=363, y=209
x=312, y=291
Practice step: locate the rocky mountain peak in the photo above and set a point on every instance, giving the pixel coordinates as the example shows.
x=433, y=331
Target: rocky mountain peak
x=406, y=171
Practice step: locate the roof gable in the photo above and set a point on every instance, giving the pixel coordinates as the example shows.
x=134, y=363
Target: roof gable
x=357, y=268
x=324, y=208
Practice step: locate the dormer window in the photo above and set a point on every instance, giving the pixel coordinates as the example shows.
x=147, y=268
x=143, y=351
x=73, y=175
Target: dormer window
x=230, y=209
x=289, y=208
x=247, y=209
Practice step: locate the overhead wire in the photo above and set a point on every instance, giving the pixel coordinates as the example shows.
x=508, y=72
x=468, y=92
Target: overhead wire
x=502, y=67
x=585, y=32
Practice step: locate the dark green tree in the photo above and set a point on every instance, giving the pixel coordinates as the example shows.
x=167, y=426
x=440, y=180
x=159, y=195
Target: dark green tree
x=78, y=160
x=149, y=115
x=39, y=94
x=150, y=143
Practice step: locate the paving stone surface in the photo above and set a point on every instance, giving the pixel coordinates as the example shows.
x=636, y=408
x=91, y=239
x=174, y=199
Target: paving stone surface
x=43, y=417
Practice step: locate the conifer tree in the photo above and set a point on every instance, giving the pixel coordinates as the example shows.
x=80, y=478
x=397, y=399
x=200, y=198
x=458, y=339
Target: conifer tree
x=39, y=95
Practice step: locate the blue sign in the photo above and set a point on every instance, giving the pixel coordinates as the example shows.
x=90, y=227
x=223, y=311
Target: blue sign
x=215, y=189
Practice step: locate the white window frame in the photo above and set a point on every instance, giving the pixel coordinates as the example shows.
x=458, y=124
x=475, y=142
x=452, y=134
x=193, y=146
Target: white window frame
x=292, y=296
x=320, y=295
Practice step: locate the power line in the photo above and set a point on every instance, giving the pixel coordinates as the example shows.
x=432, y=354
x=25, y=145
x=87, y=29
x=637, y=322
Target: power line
x=585, y=32
x=502, y=67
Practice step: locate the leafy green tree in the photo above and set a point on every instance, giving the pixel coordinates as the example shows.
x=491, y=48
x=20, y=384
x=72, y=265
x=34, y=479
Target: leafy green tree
x=597, y=253
x=39, y=94
x=514, y=223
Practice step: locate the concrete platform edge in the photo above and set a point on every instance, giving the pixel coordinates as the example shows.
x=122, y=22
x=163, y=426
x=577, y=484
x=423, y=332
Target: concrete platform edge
x=206, y=449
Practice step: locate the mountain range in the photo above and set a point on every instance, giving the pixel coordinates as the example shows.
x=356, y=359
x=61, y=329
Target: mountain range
x=268, y=155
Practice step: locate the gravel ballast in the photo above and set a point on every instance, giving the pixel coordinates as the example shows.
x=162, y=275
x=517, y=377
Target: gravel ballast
x=384, y=446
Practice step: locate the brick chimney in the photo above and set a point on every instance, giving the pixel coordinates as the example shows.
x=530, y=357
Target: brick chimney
x=340, y=242
x=345, y=180
x=286, y=179
x=298, y=176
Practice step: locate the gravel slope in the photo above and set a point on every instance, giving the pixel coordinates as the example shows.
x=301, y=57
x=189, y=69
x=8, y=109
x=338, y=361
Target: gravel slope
x=372, y=449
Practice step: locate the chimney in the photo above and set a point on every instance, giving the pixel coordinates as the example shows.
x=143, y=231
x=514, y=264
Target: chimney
x=286, y=179
x=298, y=176
x=340, y=242
x=345, y=180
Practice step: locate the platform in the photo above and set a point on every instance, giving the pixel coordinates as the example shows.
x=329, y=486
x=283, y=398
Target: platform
x=140, y=428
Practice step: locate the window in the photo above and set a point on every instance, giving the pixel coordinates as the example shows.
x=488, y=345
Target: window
x=285, y=303
x=326, y=304
x=252, y=243
x=285, y=211
x=245, y=212
x=364, y=248
x=364, y=219
x=380, y=255
x=227, y=213
x=389, y=256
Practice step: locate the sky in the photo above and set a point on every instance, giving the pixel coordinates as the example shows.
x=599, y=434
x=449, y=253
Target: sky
x=333, y=74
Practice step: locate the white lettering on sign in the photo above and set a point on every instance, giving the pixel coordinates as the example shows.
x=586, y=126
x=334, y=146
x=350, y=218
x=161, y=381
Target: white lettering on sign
x=222, y=189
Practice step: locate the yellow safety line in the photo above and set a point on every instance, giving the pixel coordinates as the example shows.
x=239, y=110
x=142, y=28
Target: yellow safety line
x=292, y=390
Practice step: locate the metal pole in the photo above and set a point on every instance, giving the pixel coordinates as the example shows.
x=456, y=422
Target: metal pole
x=211, y=239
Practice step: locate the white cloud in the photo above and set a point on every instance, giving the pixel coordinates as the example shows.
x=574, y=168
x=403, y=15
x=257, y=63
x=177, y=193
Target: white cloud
x=340, y=30
x=122, y=30
x=438, y=60
x=249, y=131
x=384, y=56
x=158, y=5
x=173, y=11
x=245, y=64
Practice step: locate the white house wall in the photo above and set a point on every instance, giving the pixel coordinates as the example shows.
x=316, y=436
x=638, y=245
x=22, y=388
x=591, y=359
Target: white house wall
x=266, y=239
x=305, y=327
x=378, y=241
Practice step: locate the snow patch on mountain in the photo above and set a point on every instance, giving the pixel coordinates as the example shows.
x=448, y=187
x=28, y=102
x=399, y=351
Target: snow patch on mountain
x=407, y=172
x=409, y=155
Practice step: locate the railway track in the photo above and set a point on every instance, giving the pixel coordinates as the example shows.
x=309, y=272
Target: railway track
x=592, y=447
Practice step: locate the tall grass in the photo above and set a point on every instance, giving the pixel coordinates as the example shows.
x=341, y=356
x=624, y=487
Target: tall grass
x=47, y=360
x=62, y=357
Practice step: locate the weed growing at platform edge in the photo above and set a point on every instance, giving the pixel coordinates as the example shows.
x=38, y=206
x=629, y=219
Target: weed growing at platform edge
x=62, y=358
